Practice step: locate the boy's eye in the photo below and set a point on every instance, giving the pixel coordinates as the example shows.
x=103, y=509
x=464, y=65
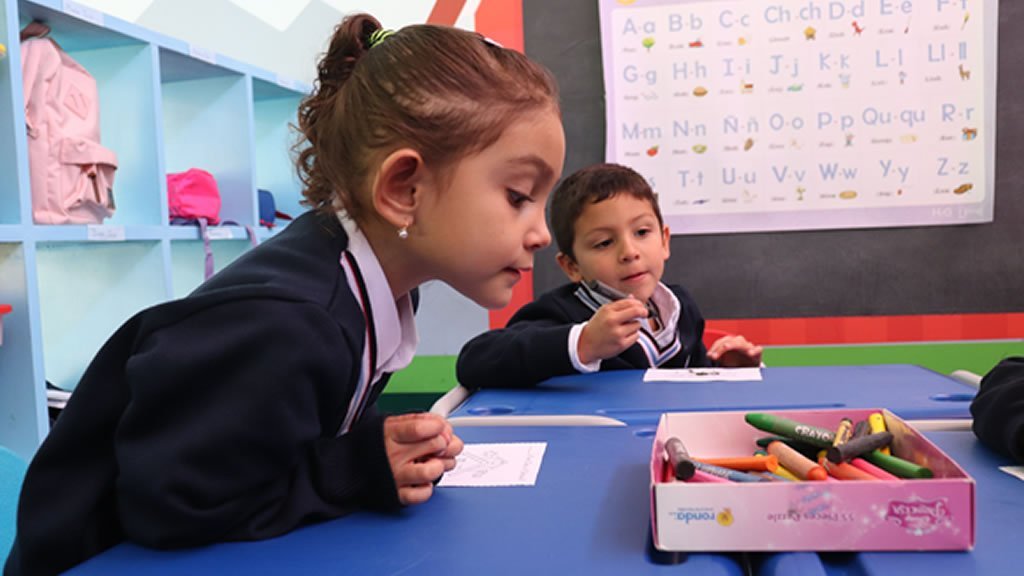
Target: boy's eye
x=517, y=198
x=603, y=244
x=643, y=232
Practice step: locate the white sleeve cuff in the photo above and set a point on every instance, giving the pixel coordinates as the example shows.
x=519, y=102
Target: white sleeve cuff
x=574, y=355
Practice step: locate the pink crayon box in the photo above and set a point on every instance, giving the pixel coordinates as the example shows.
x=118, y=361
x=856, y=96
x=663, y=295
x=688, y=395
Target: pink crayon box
x=918, y=514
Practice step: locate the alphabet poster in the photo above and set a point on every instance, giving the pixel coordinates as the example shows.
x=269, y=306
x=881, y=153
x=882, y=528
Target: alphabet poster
x=754, y=115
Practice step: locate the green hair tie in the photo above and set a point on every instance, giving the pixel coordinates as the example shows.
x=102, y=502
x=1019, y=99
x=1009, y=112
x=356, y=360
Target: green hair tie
x=379, y=35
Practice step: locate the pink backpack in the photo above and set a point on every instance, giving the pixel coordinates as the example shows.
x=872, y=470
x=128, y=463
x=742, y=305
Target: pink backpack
x=72, y=175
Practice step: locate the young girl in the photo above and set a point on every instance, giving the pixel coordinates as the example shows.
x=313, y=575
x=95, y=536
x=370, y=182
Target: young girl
x=246, y=409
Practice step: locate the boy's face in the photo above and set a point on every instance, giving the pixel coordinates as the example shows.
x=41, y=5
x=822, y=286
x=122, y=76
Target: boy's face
x=619, y=242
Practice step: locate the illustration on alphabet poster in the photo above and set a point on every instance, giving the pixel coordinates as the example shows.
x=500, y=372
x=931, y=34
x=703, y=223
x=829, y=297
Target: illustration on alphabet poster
x=754, y=115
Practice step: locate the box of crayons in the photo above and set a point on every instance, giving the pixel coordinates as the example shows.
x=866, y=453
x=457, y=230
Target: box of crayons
x=805, y=480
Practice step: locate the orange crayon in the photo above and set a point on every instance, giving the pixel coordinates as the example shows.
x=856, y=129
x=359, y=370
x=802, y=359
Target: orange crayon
x=767, y=463
x=797, y=463
x=843, y=471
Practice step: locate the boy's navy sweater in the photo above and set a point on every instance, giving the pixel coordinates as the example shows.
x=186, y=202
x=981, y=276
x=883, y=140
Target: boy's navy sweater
x=535, y=344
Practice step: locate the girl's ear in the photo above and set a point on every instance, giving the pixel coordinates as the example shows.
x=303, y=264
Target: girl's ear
x=569, y=266
x=394, y=191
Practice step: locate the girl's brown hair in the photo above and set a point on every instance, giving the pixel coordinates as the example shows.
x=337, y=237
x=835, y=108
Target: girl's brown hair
x=442, y=91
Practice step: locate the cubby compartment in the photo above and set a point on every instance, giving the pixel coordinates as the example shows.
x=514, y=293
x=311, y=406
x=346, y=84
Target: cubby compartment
x=188, y=261
x=22, y=417
x=87, y=290
x=124, y=70
x=207, y=124
x=12, y=125
x=165, y=106
x=275, y=111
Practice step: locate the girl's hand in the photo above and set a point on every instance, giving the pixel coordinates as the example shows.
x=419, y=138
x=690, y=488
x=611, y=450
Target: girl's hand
x=734, y=352
x=421, y=447
x=613, y=328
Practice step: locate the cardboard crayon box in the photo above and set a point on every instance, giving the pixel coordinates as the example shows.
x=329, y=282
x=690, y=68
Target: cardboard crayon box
x=917, y=514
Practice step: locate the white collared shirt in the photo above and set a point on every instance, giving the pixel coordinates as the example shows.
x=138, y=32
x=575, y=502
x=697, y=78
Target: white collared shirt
x=658, y=347
x=389, y=322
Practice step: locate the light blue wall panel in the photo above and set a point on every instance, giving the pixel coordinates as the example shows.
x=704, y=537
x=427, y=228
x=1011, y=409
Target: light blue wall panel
x=86, y=292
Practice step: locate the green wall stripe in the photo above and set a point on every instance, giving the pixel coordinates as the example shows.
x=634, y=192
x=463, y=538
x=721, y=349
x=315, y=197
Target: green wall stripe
x=436, y=374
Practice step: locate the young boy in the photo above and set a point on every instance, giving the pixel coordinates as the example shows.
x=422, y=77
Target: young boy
x=616, y=314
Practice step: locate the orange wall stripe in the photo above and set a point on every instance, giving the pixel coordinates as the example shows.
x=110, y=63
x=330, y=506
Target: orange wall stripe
x=502, y=21
x=445, y=12
x=875, y=329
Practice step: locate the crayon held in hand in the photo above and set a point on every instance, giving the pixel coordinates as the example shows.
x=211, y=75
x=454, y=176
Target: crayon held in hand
x=812, y=435
x=679, y=459
x=861, y=445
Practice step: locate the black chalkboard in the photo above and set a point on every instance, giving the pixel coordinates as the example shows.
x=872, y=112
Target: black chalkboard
x=922, y=270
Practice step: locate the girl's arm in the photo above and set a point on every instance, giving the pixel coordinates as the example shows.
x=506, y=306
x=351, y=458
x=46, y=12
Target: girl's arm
x=231, y=430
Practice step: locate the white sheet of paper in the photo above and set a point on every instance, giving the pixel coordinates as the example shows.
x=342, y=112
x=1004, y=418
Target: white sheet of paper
x=1017, y=471
x=702, y=374
x=506, y=464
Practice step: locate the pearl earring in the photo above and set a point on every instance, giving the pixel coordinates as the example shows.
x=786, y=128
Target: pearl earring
x=403, y=232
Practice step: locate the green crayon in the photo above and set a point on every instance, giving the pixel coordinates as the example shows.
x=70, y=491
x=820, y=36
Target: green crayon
x=806, y=433
x=897, y=466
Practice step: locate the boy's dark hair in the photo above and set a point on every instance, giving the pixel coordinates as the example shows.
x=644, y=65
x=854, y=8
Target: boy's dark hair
x=591, y=185
x=443, y=91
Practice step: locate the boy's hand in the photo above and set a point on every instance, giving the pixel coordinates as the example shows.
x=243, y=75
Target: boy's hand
x=420, y=448
x=734, y=352
x=612, y=329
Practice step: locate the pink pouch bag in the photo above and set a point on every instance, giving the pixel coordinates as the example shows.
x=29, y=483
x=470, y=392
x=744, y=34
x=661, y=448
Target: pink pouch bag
x=193, y=196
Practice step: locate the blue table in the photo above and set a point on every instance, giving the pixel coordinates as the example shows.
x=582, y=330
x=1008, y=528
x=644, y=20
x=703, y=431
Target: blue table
x=999, y=517
x=909, y=391
x=589, y=513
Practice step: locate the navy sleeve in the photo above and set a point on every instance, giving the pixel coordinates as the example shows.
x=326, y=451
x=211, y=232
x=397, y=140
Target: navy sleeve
x=532, y=348
x=230, y=433
x=998, y=409
x=691, y=328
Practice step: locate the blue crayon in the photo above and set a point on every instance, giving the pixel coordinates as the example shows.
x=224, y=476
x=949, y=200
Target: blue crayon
x=728, y=474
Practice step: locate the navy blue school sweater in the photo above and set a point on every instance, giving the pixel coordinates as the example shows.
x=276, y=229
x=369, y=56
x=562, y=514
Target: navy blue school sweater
x=998, y=409
x=215, y=417
x=534, y=346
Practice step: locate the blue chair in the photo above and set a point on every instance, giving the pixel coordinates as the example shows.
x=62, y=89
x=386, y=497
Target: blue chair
x=12, y=472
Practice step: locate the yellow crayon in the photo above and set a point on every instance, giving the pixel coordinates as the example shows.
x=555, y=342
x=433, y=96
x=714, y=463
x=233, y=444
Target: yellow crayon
x=843, y=432
x=877, y=424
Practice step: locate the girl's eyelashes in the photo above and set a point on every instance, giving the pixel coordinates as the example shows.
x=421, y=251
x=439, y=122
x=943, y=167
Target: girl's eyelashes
x=517, y=198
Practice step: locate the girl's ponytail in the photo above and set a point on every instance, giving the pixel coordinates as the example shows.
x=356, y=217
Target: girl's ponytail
x=348, y=44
